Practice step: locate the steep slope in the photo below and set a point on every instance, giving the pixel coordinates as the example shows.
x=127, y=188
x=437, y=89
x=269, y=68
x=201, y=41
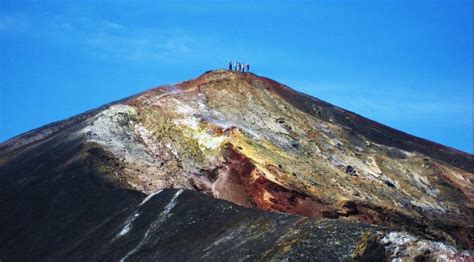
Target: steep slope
x=238, y=137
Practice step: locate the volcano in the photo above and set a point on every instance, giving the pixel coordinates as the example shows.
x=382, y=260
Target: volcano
x=231, y=166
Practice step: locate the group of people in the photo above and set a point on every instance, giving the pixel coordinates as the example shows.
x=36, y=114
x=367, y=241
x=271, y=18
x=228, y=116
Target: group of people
x=237, y=66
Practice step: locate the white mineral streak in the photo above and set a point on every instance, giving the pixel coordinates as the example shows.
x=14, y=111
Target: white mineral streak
x=150, y=196
x=400, y=246
x=155, y=224
x=128, y=225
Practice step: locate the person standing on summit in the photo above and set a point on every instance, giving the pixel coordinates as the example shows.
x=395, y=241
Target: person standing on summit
x=240, y=67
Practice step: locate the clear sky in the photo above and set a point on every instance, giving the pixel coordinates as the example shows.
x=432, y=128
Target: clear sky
x=406, y=64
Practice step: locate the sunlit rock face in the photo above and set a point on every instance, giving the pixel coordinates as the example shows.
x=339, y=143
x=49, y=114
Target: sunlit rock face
x=258, y=144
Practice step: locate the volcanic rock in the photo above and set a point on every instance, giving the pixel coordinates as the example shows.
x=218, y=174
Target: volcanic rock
x=231, y=165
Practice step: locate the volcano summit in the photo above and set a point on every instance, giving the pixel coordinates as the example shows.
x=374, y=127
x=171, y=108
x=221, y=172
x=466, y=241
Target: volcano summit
x=231, y=166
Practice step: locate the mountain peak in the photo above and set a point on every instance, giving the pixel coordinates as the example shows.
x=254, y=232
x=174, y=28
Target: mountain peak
x=259, y=144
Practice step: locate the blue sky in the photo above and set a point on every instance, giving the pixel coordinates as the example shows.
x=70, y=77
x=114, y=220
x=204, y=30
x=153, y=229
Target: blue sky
x=406, y=64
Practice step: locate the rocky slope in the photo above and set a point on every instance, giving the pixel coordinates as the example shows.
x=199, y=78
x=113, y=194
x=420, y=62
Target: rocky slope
x=360, y=190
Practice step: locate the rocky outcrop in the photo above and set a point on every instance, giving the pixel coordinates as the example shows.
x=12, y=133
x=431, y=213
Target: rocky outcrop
x=240, y=138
